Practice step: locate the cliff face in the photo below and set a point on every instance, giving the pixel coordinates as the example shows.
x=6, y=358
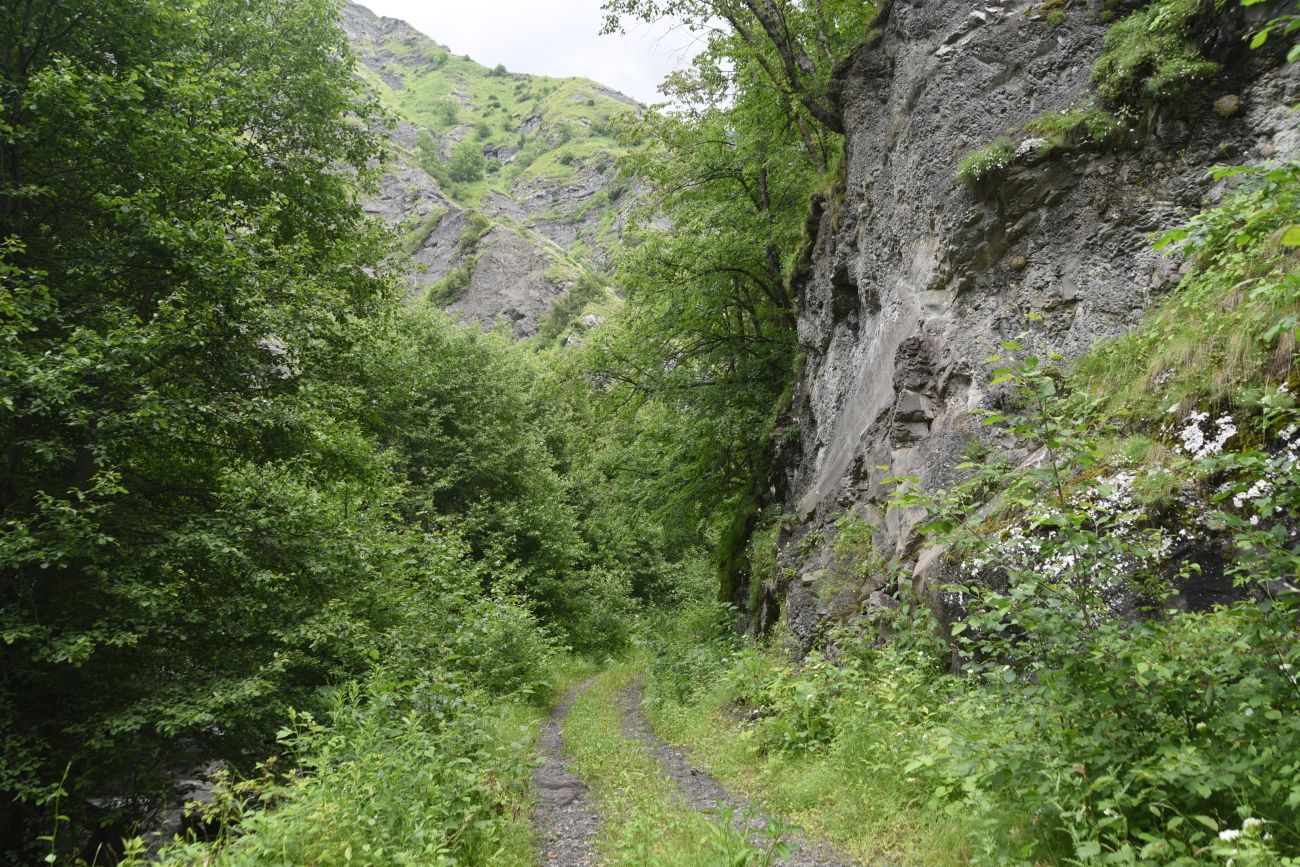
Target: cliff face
x=548, y=204
x=916, y=280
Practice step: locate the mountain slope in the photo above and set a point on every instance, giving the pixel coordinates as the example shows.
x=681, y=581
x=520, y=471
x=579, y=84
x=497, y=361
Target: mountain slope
x=505, y=185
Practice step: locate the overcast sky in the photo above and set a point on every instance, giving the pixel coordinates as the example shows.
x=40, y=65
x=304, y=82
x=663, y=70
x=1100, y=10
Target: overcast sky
x=549, y=37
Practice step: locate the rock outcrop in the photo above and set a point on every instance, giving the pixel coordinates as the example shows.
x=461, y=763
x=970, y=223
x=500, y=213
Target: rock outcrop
x=915, y=279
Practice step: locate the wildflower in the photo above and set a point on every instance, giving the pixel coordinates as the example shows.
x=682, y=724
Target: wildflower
x=1261, y=487
x=1229, y=834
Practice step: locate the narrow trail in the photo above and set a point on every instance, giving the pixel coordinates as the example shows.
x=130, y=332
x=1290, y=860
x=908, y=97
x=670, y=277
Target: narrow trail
x=565, y=818
x=703, y=793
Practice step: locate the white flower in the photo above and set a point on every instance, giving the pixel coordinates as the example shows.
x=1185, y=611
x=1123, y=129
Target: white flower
x=1260, y=488
x=1030, y=145
x=1229, y=834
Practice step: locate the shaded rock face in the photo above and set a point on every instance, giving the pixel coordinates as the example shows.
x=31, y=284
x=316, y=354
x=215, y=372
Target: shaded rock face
x=916, y=281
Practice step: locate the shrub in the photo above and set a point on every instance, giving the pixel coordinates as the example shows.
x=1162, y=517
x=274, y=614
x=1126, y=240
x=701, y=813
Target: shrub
x=475, y=228
x=1087, y=125
x=1116, y=729
x=1230, y=323
x=398, y=773
x=689, y=651
x=452, y=284
x=467, y=162
x=414, y=241
x=447, y=111
x=588, y=289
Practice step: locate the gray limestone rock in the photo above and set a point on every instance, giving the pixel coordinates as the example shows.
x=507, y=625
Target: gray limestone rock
x=916, y=280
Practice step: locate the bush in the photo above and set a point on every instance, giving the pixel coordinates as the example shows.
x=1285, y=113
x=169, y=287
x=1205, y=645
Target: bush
x=413, y=242
x=467, y=162
x=398, y=773
x=453, y=284
x=1079, y=127
x=588, y=289
x=689, y=650
x=447, y=111
x=476, y=227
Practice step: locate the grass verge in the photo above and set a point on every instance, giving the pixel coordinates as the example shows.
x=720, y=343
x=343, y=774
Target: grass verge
x=841, y=795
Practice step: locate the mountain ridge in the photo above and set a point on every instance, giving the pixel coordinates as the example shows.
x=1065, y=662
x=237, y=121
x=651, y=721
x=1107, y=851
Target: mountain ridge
x=505, y=186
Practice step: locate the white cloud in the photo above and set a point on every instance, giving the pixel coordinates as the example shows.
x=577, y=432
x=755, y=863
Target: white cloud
x=549, y=37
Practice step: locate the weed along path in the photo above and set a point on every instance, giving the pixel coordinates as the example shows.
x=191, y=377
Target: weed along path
x=651, y=806
x=566, y=819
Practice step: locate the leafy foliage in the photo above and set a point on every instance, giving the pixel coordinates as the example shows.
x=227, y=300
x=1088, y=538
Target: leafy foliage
x=702, y=354
x=984, y=163
x=1086, y=125
x=467, y=162
x=186, y=513
x=1232, y=320
x=239, y=470
x=1153, y=54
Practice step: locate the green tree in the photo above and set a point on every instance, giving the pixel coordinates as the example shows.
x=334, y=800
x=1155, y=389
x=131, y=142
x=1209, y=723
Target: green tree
x=190, y=524
x=467, y=162
x=793, y=44
x=448, y=111
x=704, y=351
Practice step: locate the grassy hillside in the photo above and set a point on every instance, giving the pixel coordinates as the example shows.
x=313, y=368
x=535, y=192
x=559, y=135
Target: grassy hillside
x=534, y=156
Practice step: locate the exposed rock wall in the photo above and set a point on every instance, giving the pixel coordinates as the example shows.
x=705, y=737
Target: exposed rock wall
x=915, y=280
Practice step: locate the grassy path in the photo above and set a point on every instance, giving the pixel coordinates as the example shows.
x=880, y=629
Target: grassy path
x=655, y=808
x=847, y=795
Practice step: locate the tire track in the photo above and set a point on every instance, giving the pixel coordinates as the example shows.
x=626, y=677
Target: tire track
x=703, y=793
x=565, y=817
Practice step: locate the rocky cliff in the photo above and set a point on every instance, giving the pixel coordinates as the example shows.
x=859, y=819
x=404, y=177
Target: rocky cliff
x=916, y=277
x=543, y=208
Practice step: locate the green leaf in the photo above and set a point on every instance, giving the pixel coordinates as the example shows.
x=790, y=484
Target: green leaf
x=1088, y=849
x=1170, y=237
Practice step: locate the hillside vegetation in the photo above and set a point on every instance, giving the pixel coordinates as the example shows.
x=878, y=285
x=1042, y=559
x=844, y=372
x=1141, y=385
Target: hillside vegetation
x=533, y=160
